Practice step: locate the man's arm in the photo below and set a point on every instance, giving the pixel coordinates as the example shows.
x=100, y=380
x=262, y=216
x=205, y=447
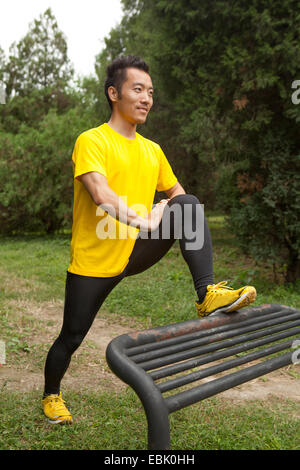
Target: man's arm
x=175, y=190
x=97, y=186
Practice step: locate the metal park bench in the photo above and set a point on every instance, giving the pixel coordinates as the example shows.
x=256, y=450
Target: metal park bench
x=220, y=342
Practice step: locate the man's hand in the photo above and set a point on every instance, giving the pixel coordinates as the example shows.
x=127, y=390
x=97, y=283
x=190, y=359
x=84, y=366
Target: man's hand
x=154, y=217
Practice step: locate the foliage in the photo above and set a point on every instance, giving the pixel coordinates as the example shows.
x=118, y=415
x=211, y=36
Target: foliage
x=36, y=75
x=39, y=60
x=44, y=113
x=265, y=209
x=37, y=196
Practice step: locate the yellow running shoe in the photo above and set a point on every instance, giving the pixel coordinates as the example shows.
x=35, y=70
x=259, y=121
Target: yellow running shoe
x=225, y=299
x=55, y=409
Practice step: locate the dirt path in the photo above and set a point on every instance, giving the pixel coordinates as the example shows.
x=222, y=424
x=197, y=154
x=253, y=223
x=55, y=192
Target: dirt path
x=89, y=371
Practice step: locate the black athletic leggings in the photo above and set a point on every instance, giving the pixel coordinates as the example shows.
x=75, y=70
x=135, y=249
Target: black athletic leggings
x=84, y=295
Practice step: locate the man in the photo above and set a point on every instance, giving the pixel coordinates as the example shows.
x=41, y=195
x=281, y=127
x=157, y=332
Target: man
x=116, y=174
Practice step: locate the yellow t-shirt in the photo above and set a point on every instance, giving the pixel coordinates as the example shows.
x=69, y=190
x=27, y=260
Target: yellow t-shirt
x=134, y=169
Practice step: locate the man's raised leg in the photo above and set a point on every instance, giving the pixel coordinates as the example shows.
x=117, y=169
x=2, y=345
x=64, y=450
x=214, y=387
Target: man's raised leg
x=184, y=219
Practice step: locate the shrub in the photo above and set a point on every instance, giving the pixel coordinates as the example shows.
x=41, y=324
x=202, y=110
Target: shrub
x=36, y=179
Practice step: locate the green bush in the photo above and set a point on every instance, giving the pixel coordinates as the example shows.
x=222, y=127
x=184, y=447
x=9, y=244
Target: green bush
x=36, y=179
x=266, y=205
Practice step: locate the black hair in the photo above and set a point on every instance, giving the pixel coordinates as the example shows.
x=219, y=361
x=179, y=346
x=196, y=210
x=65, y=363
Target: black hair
x=116, y=73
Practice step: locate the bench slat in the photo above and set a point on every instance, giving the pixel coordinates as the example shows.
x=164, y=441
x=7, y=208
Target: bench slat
x=158, y=338
x=225, y=365
x=175, y=348
x=189, y=397
x=191, y=364
x=169, y=359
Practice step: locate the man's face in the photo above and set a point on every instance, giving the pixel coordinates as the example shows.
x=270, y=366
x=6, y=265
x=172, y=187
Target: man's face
x=136, y=96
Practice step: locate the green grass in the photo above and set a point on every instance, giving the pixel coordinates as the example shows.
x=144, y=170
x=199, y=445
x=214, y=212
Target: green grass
x=116, y=421
x=33, y=269
x=38, y=261
x=162, y=294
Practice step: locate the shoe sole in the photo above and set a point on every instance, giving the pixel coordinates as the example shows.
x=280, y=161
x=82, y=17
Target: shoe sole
x=244, y=300
x=62, y=423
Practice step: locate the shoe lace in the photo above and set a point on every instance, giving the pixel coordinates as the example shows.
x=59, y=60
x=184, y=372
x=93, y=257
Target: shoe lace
x=59, y=405
x=220, y=288
x=220, y=285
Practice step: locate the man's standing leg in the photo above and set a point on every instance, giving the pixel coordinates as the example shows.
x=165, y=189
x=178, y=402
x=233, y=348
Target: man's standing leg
x=83, y=299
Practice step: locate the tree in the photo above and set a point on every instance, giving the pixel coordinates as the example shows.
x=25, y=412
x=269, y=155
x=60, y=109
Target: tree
x=39, y=124
x=40, y=59
x=37, y=74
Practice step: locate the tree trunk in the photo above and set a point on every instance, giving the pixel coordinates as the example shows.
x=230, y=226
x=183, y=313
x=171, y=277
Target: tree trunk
x=293, y=267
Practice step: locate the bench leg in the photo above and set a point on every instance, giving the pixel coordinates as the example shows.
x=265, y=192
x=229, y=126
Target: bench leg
x=158, y=429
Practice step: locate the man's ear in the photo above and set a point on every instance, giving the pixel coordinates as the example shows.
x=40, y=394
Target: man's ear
x=113, y=94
